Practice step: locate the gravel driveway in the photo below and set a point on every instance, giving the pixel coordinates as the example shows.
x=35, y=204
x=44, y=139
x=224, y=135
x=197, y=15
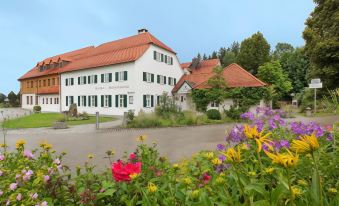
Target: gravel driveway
x=175, y=143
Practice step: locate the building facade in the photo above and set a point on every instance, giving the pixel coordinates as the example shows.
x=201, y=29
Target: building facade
x=127, y=74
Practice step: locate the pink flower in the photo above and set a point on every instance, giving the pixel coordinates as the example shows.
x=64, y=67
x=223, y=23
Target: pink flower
x=44, y=203
x=59, y=168
x=1, y=173
x=2, y=157
x=27, y=175
x=17, y=176
x=1, y=192
x=123, y=172
x=28, y=154
x=132, y=156
x=206, y=178
x=34, y=196
x=19, y=197
x=8, y=203
x=57, y=161
x=13, y=186
x=102, y=190
x=46, y=178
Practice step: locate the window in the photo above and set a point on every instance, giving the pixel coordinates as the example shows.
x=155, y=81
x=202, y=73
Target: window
x=31, y=98
x=82, y=101
x=49, y=82
x=161, y=79
x=69, y=100
x=106, y=77
x=43, y=100
x=148, y=77
x=92, y=79
x=39, y=83
x=31, y=84
x=148, y=100
x=82, y=80
x=162, y=58
x=214, y=104
x=69, y=81
x=44, y=82
x=172, y=81
x=51, y=100
x=92, y=101
x=121, y=76
x=106, y=100
x=46, y=100
x=130, y=100
x=53, y=81
x=159, y=99
x=121, y=100
x=27, y=100
x=182, y=98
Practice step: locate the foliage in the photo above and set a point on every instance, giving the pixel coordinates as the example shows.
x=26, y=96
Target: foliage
x=228, y=58
x=322, y=42
x=259, y=164
x=2, y=98
x=73, y=110
x=213, y=114
x=295, y=64
x=37, y=109
x=246, y=96
x=84, y=116
x=272, y=73
x=200, y=99
x=282, y=48
x=166, y=106
x=47, y=120
x=130, y=115
x=331, y=102
x=234, y=112
x=254, y=51
x=13, y=99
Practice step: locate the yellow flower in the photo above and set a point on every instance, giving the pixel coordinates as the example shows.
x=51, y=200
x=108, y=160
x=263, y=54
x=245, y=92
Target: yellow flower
x=209, y=155
x=3, y=145
x=20, y=143
x=195, y=194
x=216, y=161
x=133, y=176
x=90, y=156
x=220, y=180
x=259, y=137
x=222, y=174
x=306, y=144
x=45, y=145
x=175, y=166
x=142, y=138
x=302, y=182
x=244, y=146
x=233, y=155
x=332, y=190
x=284, y=159
x=152, y=187
x=269, y=170
x=187, y=181
x=252, y=174
x=296, y=191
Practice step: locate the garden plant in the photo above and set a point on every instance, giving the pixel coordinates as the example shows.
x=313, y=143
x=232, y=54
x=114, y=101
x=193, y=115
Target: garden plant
x=265, y=161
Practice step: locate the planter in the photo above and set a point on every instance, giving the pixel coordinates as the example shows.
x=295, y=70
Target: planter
x=60, y=125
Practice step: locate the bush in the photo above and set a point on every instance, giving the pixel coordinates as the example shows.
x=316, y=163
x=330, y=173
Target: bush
x=234, y=113
x=37, y=109
x=166, y=107
x=84, y=116
x=130, y=115
x=145, y=121
x=213, y=114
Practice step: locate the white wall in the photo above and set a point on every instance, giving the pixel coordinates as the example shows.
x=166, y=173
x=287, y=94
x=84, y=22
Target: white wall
x=44, y=107
x=134, y=86
x=25, y=104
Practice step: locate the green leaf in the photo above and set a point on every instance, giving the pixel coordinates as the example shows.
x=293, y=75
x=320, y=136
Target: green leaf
x=257, y=187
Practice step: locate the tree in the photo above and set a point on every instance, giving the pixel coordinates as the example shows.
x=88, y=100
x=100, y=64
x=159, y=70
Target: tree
x=282, y=48
x=322, y=42
x=235, y=48
x=228, y=58
x=272, y=73
x=13, y=99
x=214, y=55
x=254, y=51
x=295, y=64
x=204, y=57
x=2, y=98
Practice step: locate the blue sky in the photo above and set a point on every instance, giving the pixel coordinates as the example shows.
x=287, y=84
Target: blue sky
x=36, y=29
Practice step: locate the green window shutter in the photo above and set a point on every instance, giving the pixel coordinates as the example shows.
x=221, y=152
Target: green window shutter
x=110, y=100
x=158, y=79
x=102, y=78
x=166, y=58
x=96, y=101
x=84, y=79
x=165, y=80
x=116, y=76
x=85, y=101
x=175, y=81
x=152, y=77
x=89, y=79
x=152, y=100
x=116, y=100
x=125, y=100
x=158, y=100
x=66, y=101
x=66, y=82
x=154, y=55
x=144, y=78
x=89, y=101
x=125, y=75
x=145, y=101
x=78, y=101
x=162, y=57
x=78, y=80
x=102, y=100
x=72, y=81
x=72, y=99
x=110, y=77
x=96, y=79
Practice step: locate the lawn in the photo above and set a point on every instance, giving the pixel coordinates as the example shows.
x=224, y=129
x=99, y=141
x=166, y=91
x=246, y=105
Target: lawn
x=47, y=120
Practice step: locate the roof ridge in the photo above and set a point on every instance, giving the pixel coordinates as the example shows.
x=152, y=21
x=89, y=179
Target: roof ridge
x=246, y=72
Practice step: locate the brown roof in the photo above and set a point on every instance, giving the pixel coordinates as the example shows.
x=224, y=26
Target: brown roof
x=115, y=52
x=234, y=75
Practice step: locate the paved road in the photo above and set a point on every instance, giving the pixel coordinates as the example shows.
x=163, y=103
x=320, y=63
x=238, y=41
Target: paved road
x=175, y=143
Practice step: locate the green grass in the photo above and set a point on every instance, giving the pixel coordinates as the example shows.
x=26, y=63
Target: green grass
x=47, y=120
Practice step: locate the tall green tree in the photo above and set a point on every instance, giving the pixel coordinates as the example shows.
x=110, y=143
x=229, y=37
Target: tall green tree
x=282, y=48
x=13, y=99
x=2, y=97
x=254, y=51
x=322, y=42
x=295, y=64
x=272, y=73
x=235, y=48
x=228, y=58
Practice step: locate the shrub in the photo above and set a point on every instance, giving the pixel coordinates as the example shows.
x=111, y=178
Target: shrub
x=130, y=115
x=234, y=113
x=73, y=110
x=145, y=121
x=213, y=114
x=84, y=116
x=37, y=109
x=166, y=107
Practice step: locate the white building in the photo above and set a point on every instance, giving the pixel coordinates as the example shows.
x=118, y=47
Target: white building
x=112, y=78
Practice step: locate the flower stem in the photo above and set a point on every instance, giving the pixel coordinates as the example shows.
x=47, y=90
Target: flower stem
x=318, y=177
x=290, y=187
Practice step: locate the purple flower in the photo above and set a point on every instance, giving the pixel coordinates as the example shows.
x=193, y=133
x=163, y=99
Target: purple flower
x=13, y=186
x=34, y=196
x=57, y=161
x=27, y=175
x=44, y=203
x=59, y=167
x=2, y=157
x=300, y=128
x=222, y=157
x=329, y=138
x=28, y=154
x=1, y=173
x=220, y=147
x=265, y=147
x=236, y=135
x=46, y=178
x=284, y=143
x=222, y=167
x=247, y=115
x=259, y=124
x=19, y=197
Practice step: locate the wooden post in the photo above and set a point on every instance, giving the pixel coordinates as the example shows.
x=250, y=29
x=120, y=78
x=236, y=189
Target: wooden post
x=97, y=120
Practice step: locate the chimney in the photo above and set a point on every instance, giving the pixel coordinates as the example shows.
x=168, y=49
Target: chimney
x=140, y=31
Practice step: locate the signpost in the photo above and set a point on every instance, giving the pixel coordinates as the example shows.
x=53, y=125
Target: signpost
x=315, y=84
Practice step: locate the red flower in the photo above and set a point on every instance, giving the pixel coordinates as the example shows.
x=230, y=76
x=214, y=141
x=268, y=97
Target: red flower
x=121, y=172
x=206, y=178
x=132, y=156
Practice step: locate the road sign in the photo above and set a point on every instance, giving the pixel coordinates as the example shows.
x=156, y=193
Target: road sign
x=315, y=85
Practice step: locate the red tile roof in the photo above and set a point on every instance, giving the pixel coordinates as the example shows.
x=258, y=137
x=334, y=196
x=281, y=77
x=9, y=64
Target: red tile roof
x=234, y=75
x=115, y=52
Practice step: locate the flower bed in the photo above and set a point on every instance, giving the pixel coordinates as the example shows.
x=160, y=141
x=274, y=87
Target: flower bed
x=264, y=162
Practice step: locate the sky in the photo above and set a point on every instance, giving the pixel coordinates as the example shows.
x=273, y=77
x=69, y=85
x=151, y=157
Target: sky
x=31, y=31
